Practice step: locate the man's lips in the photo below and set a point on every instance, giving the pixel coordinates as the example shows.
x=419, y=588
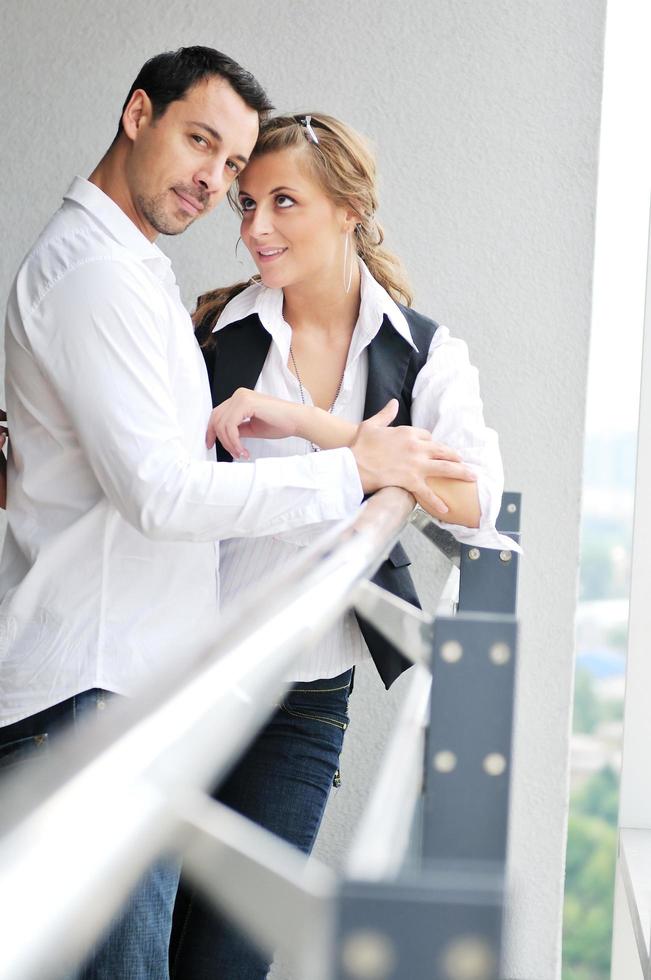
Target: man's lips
x=189, y=203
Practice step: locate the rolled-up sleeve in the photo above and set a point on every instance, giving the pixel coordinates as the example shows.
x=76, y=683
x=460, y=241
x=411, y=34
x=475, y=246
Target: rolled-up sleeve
x=99, y=341
x=447, y=401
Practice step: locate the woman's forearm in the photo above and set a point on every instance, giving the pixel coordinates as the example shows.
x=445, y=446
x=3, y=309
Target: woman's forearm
x=461, y=497
x=330, y=432
x=323, y=429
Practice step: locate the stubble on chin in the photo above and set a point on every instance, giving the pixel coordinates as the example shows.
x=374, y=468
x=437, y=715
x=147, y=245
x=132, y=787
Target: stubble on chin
x=158, y=212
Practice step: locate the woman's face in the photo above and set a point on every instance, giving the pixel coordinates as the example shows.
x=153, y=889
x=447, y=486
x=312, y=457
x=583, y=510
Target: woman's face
x=294, y=232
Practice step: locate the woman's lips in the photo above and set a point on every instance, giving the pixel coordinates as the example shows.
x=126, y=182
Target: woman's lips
x=266, y=255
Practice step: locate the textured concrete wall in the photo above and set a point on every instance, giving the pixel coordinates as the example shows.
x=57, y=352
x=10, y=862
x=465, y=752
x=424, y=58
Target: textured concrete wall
x=485, y=118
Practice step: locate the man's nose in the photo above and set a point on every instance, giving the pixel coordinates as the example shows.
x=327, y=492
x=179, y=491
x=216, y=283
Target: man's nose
x=212, y=180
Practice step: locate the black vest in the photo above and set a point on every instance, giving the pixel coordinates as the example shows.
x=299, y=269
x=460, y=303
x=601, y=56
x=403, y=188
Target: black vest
x=236, y=360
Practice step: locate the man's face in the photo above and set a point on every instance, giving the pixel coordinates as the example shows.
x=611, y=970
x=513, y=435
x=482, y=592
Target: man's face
x=182, y=164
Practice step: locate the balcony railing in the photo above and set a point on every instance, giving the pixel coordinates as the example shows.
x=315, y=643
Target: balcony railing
x=422, y=891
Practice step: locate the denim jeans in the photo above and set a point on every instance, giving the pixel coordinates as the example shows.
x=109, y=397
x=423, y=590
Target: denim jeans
x=136, y=945
x=282, y=783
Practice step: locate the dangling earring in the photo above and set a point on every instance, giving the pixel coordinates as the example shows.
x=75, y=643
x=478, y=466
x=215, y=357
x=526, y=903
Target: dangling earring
x=348, y=277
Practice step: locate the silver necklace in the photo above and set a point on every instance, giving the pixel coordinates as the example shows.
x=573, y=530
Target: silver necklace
x=315, y=449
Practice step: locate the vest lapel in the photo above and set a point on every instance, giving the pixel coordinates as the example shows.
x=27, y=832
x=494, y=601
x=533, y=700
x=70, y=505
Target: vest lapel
x=240, y=353
x=235, y=362
x=388, y=360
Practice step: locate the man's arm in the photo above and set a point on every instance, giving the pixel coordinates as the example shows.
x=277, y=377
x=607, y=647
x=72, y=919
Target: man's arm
x=98, y=342
x=403, y=456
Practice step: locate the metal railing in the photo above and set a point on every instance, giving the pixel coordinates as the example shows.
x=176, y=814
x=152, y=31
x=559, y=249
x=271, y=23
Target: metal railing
x=422, y=890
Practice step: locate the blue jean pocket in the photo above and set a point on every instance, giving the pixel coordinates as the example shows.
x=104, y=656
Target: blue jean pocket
x=20, y=749
x=320, y=701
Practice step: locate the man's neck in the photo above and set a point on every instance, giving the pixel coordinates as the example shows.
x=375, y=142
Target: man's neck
x=110, y=176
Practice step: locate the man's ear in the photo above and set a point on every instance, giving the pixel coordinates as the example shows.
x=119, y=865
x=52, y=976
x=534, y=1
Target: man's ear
x=137, y=111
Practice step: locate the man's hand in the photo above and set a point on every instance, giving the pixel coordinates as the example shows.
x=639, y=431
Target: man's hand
x=404, y=456
x=250, y=414
x=3, y=461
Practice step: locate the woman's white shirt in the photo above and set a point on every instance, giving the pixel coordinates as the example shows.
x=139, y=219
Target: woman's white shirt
x=445, y=400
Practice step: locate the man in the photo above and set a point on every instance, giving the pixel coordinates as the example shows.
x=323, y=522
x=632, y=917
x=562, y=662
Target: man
x=114, y=503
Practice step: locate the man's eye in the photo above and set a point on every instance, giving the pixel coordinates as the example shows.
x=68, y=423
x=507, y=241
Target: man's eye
x=233, y=167
x=284, y=201
x=247, y=204
x=200, y=140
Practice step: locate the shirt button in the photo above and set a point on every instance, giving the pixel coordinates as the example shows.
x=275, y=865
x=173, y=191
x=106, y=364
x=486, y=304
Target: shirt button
x=101, y=704
x=40, y=740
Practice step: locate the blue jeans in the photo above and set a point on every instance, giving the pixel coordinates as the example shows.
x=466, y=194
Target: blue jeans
x=136, y=946
x=282, y=783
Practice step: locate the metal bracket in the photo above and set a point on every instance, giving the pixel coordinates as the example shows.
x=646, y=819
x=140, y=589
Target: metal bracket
x=430, y=927
x=408, y=628
x=489, y=578
x=468, y=753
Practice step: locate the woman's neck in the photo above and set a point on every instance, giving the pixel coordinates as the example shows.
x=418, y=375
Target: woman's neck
x=324, y=305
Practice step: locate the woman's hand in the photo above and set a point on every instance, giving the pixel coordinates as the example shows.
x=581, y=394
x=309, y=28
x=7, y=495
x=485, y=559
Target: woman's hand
x=249, y=414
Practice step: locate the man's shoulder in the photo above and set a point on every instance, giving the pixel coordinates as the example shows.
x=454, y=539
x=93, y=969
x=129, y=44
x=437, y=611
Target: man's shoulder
x=71, y=241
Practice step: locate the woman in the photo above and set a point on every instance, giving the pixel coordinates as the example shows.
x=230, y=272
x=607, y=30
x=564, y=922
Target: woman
x=322, y=328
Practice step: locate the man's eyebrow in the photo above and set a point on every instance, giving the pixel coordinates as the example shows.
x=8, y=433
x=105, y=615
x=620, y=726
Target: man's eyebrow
x=217, y=137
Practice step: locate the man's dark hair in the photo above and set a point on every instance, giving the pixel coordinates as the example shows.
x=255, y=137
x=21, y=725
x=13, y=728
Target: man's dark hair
x=167, y=77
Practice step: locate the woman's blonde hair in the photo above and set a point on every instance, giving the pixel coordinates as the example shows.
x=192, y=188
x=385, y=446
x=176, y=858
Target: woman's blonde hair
x=344, y=166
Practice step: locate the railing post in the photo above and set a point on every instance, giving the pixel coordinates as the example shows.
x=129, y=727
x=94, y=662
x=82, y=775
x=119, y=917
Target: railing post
x=442, y=919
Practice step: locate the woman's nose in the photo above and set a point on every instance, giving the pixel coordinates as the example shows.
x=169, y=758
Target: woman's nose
x=260, y=223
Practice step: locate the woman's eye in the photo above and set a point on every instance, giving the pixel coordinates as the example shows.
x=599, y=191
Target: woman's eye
x=247, y=204
x=284, y=201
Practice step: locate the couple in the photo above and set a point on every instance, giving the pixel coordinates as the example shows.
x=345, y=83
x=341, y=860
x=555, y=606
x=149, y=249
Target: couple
x=114, y=503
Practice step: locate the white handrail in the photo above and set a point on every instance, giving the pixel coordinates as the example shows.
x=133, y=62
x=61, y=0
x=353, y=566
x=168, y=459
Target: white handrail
x=75, y=837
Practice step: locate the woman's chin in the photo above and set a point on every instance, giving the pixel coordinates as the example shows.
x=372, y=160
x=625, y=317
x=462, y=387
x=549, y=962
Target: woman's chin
x=272, y=279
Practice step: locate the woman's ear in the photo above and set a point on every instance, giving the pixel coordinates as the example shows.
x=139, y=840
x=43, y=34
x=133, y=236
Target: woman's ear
x=351, y=219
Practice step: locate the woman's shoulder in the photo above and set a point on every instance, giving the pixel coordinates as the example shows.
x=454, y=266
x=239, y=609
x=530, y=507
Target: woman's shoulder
x=240, y=305
x=222, y=306
x=422, y=327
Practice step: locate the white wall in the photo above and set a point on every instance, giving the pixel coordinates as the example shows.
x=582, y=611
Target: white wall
x=485, y=116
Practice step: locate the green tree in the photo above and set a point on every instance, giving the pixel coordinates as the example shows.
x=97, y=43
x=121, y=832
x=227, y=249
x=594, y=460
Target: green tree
x=590, y=871
x=587, y=709
x=599, y=797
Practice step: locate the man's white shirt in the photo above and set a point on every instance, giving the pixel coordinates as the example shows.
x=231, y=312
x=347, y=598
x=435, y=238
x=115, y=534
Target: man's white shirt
x=109, y=569
x=445, y=399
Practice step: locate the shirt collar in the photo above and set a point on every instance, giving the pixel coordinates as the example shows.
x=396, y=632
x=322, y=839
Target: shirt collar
x=376, y=304
x=268, y=304
x=118, y=225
